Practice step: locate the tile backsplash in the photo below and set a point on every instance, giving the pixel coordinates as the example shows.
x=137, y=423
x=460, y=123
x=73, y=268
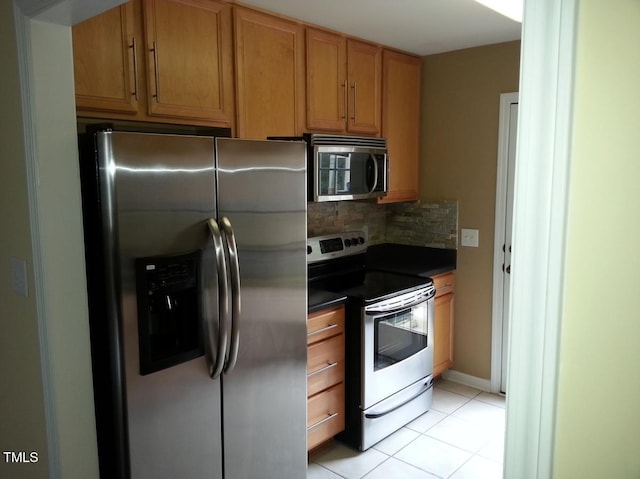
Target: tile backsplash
x=432, y=224
x=338, y=216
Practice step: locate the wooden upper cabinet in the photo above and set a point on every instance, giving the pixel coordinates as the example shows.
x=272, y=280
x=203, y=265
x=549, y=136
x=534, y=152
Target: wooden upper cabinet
x=189, y=58
x=401, y=124
x=343, y=84
x=269, y=75
x=326, y=81
x=364, y=62
x=105, y=62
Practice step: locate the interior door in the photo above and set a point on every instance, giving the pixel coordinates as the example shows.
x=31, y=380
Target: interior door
x=508, y=247
x=503, y=247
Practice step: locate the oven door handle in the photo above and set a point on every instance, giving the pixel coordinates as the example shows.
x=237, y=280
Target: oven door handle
x=375, y=415
x=396, y=309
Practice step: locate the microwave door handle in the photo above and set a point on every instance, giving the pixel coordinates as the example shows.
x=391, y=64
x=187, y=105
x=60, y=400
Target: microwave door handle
x=372, y=158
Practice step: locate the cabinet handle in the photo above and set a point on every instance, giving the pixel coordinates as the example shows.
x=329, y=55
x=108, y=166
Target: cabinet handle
x=322, y=369
x=355, y=96
x=155, y=70
x=326, y=328
x=135, y=68
x=322, y=421
x=344, y=97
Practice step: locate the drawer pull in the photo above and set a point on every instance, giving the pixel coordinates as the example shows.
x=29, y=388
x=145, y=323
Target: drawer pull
x=322, y=369
x=326, y=328
x=322, y=421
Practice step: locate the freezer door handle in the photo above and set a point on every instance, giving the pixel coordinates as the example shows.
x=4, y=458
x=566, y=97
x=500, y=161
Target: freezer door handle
x=234, y=268
x=216, y=363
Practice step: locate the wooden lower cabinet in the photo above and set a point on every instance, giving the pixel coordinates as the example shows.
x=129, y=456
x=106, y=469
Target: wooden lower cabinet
x=325, y=375
x=443, y=322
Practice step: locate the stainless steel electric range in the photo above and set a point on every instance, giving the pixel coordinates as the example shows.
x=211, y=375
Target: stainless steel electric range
x=388, y=337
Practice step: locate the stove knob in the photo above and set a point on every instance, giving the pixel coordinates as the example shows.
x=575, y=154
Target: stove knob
x=347, y=242
x=361, y=240
x=309, y=249
x=354, y=241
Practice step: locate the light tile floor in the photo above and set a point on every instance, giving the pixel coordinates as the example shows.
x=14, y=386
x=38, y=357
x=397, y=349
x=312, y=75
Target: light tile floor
x=461, y=437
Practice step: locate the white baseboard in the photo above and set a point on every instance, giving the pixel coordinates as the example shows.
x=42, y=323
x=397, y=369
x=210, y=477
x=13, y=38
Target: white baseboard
x=467, y=380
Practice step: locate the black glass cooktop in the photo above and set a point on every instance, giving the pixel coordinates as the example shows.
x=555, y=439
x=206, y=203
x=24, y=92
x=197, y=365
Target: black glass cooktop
x=377, y=286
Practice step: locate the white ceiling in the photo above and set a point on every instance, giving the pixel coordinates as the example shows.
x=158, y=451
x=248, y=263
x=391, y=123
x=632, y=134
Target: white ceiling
x=422, y=27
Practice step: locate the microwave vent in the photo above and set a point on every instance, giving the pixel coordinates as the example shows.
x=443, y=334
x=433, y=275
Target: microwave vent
x=337, y=140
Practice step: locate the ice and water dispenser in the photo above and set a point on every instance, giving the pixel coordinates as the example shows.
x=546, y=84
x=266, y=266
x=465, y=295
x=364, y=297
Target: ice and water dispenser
x=169, y=326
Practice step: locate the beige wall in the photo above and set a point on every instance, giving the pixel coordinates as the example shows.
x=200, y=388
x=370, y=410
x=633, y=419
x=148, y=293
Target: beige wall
x=598, y=425
x=53, y=342
x=22, y=420
x=460, y=110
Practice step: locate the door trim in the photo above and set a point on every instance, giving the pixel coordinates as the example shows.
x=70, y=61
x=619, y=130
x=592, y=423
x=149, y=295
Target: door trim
x=545, y=116
x=506, y=100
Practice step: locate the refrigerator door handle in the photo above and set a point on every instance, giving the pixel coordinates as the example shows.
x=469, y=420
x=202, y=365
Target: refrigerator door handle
x=234, y=268
x=216, y=363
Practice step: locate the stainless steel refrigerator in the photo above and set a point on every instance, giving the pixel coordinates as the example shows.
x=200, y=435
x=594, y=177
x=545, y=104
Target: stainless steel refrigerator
x=196, y=273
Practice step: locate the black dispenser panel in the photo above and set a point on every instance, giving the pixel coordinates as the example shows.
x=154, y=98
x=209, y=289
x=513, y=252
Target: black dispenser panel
x=169, y=312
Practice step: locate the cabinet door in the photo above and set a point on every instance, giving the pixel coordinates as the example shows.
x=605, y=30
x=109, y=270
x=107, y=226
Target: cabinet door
x=443, y=333
x=401, y=124
x=364, y=65
x=326, y=81
x=270, y=75
x=189, y=54
x=105, y=62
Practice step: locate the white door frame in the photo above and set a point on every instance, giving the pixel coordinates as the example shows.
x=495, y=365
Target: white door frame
x=545, y=114
x=497, y=323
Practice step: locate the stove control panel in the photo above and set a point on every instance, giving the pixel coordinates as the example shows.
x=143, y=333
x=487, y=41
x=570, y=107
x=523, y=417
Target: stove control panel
x=321, y=248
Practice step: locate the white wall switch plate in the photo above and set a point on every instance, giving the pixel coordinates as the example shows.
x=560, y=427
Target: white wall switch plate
x=19, y=277
x=469, y=237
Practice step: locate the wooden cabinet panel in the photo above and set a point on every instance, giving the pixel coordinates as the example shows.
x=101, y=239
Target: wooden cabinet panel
x=443, y=322
x=270, y=75
x=343, y=84
x=325, y=375
x=401, y=124
x=325, y=415
x=189, y=55
x=325, y=364
x=364, y=64
x=326, y=81
x=325, y=324
x=104, y=62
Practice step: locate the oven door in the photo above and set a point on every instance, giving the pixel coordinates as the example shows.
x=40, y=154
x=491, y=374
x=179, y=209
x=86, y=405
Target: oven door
x=397, y=344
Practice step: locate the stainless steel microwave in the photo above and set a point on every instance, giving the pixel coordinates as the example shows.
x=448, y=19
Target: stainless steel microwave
x=345, y=167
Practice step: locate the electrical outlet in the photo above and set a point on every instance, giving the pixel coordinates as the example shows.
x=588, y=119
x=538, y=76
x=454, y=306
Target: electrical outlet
x=469, y=237
x=19, y=277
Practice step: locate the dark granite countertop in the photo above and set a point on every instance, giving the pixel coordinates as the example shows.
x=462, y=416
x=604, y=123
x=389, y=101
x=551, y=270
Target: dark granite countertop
x=414, y=260
x=319, y=299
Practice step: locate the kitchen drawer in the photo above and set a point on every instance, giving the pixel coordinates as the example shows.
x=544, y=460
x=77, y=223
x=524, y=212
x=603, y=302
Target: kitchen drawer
x=325, y=364
x=325, y=324
x=444, y=283
x=325, y=417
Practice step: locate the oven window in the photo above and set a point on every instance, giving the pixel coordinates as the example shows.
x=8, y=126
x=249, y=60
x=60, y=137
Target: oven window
x=399, y=336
